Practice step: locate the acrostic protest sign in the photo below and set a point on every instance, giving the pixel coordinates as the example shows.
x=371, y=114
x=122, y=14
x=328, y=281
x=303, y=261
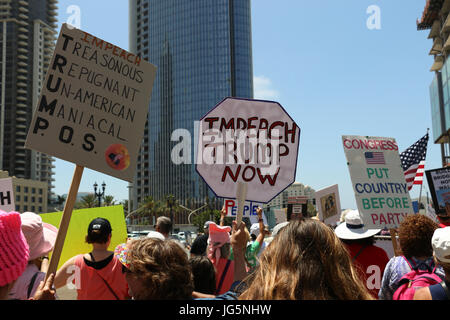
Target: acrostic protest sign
x=246, y=141
x=92, y=112
x=439, y=185
x=378, y=180
x=7, y=195
x=93, y=105
x=329, y=204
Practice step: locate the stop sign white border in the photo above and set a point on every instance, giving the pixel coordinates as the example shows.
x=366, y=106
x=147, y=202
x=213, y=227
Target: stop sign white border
x=214, y=172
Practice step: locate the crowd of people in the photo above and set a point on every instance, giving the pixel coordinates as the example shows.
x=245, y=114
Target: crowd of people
x=302, y=259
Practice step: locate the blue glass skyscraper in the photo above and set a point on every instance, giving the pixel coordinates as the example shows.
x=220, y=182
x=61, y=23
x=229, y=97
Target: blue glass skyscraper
x=203, y=51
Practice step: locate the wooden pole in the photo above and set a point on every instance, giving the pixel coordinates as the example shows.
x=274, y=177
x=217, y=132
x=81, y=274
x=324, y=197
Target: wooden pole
x=65, y=219
x=241, y=195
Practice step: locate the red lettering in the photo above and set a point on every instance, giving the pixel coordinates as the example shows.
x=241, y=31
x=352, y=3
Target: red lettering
x=273, y=125
x=228, y=170
x=346, y=144
x=85, y=37
x=251, y=177
x=271, y=180
x=374, y=218
x=288, y=132
x=229, y=204
x=211, y=122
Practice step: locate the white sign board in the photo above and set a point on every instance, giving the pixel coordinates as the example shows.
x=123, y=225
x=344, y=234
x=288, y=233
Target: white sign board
x=378, y=180
x=93, y=105
x=231, y=206
x=280, y=215
x=328, y=204
x=7, y=195
x=247, y=141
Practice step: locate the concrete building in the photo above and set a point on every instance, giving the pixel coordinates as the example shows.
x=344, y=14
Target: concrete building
x=29, y=195
x=27, y=38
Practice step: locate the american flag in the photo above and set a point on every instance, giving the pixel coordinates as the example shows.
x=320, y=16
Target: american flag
x=374, y=158
x=413, y=162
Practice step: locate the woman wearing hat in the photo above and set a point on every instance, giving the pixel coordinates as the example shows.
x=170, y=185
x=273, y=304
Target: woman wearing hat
x=369, y=259
x=41, y=239
x=98, y=274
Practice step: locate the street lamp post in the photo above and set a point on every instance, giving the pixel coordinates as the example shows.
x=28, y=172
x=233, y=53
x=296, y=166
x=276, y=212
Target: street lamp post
x=99, y=194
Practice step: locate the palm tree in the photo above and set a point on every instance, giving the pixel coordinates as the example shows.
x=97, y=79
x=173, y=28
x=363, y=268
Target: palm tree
x=60, y=201
x=146, y=207
x=88, y=201
x=108, y=201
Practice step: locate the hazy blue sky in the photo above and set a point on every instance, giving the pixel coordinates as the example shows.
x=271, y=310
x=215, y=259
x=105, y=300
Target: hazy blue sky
x=331, y=73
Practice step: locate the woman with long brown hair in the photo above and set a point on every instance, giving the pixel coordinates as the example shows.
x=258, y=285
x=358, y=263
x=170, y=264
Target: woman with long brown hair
x=305, y=261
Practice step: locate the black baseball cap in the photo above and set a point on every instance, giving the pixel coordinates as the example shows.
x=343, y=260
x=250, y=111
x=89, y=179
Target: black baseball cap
x=100, y=224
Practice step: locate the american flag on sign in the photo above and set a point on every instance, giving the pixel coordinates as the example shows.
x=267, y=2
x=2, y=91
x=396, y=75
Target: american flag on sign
x=413, y=162
x=374, y=158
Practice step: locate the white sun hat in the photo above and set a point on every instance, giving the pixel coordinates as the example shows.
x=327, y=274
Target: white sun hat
x=353, y=228
x=441, y=244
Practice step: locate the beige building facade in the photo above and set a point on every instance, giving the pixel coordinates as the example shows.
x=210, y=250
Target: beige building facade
x=29, y=195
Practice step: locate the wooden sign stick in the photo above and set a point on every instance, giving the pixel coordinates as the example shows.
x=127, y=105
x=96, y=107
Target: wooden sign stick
x=65, y=219
x=241, y=195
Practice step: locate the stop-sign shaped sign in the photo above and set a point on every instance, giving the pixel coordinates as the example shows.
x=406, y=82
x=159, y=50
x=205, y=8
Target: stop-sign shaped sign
x=247, y=141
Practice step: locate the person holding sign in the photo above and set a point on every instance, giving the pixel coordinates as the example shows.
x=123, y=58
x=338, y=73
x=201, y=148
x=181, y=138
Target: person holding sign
x=304, y=254
x=14, y=257
x=369, y=259
x=41, y=238
x=219, y=248
x=98, y=274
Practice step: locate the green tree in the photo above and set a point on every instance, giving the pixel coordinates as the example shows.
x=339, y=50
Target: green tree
x=108, y=201
x=146, y=208
x=88, y=201
x=60, y=200
x=205, y=215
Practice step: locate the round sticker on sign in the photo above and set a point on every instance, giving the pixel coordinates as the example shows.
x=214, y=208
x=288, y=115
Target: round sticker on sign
x=117, y=157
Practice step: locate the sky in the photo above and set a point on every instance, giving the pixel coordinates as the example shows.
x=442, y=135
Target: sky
x=332, y=73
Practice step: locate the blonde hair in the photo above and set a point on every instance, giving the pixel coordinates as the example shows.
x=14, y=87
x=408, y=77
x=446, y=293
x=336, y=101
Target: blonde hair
x=305, y=261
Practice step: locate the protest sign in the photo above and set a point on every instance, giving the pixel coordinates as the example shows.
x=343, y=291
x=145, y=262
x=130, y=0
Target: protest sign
x=92, y=112
x=378, y=180
x=280, y=215
x=439, y=185
x=249, y=141
x=75, y=239
x=231, y=207
x=7, y=195
x=329, y=204
x=93, y=105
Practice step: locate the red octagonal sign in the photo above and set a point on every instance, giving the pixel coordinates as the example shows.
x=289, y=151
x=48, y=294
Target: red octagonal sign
x=248, y=141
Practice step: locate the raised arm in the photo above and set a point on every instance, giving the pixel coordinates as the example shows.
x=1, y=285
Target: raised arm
x=261, y=234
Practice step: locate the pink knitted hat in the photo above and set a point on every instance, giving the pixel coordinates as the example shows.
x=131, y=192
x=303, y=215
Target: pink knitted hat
x=218, y=236
x=14, y=250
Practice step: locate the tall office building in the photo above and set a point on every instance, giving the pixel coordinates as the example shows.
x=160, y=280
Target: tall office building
x=203, y=52
x=27, y=39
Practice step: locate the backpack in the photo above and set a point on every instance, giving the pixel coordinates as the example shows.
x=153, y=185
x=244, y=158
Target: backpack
x=416, y=278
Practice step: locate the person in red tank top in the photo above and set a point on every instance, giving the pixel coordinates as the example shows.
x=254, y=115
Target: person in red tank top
x=96, y=275
x=369, y=259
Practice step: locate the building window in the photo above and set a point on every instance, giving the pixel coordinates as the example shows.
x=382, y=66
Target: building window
x=18, y=188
